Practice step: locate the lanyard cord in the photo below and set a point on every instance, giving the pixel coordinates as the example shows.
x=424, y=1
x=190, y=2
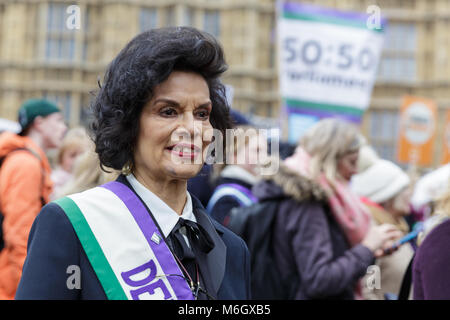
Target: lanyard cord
x=194, y=288
x=191, y=282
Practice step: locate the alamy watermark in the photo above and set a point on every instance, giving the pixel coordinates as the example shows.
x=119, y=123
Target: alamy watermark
x=373, y=277
x=248, y=147
x=73, y=21
x=74, y=279
x=373, y=22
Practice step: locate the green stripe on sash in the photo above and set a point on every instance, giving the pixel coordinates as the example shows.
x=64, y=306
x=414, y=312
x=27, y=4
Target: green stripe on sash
x=93, y=250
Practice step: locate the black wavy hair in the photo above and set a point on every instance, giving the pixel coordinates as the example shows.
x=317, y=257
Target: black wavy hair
x=146, y=61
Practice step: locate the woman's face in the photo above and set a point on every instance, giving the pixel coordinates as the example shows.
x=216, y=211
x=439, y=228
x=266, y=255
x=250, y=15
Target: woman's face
x=347, y=165
x=174, y=128
x=400, y=204
x=69, y=157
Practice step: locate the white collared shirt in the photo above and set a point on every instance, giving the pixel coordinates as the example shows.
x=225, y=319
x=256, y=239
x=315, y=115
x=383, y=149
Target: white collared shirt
x=165, y=216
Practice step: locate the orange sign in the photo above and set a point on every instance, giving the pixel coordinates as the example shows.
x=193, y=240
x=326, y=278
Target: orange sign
x=446, y=140
x=417, y=131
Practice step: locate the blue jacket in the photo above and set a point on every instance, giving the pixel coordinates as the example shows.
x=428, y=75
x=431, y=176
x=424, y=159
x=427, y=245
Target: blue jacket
x=222, y=208
x=53, y=247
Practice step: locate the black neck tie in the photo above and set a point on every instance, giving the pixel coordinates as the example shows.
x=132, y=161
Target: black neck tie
x=200, y=243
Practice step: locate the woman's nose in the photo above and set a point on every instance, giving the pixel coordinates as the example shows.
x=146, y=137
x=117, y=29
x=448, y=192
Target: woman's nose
x=189, y=127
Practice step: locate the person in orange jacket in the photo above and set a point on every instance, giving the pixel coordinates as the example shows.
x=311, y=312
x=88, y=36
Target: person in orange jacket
x=25, y=184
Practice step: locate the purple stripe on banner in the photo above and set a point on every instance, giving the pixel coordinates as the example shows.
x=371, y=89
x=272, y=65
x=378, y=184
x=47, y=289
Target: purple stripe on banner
x=303, y=8
x=148, y=228
x=325, y=114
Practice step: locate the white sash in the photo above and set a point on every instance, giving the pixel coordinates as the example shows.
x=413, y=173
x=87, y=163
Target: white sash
x=130, y=262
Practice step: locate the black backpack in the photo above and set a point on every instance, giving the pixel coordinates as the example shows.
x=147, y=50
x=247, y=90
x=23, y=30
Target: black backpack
x=2, y=241
x=255, y=225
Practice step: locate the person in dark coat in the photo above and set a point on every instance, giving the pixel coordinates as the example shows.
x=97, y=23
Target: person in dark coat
x=144, y=236
x=323, y=238
x=201, y=186
x=430, y=276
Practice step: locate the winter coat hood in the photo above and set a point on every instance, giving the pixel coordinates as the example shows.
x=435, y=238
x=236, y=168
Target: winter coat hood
x=288, y=184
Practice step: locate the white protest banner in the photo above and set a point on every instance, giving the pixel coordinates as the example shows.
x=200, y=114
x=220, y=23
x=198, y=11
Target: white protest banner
x=328, y=62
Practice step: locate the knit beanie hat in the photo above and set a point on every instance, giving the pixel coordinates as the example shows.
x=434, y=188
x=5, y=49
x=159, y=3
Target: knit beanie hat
x=380, y=182
x=367, y=157
x=33, y=108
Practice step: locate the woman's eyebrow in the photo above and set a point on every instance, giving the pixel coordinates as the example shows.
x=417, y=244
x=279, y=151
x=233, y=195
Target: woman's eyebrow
x=205, y=105
x=177, y=104
x=168, y=101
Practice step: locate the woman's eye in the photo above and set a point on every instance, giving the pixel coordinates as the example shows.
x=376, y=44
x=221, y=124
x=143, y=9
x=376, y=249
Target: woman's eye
x=168, y=112
x=204, y=114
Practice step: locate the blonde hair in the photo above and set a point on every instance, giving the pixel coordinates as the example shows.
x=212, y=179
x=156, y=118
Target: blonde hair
x=440, y=213
x=87, y=174
x=442, y=204
x=326, y=142
x=75, y=138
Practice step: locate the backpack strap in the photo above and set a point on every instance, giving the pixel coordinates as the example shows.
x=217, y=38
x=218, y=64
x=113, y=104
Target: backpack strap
x=243, y=195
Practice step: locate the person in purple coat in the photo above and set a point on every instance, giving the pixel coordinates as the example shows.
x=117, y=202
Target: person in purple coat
x=324, y=239
x=431, y=276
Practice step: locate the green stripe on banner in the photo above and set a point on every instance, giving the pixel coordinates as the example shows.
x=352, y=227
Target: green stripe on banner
x=330, y=20
x=300, y=104
x=93, y=250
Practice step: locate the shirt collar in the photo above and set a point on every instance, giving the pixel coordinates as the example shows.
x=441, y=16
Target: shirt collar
x=165, y=216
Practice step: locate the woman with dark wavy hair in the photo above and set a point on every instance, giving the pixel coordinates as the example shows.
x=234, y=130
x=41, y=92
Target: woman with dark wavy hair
x=144, y=236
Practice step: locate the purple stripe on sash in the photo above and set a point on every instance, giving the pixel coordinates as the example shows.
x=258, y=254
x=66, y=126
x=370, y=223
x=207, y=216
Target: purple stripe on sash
x=148, y=228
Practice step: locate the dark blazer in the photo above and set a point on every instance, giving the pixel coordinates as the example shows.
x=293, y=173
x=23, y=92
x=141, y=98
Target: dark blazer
x=53, y=247
x=200, y=186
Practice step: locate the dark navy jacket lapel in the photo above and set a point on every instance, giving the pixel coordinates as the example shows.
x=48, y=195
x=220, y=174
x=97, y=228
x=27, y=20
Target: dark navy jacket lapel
x=216, y=258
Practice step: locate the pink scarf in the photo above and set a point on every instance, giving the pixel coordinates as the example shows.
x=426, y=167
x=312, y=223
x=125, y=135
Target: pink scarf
x=347, y=208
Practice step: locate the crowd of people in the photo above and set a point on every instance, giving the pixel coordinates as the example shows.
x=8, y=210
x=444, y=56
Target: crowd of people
x=131, y=203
